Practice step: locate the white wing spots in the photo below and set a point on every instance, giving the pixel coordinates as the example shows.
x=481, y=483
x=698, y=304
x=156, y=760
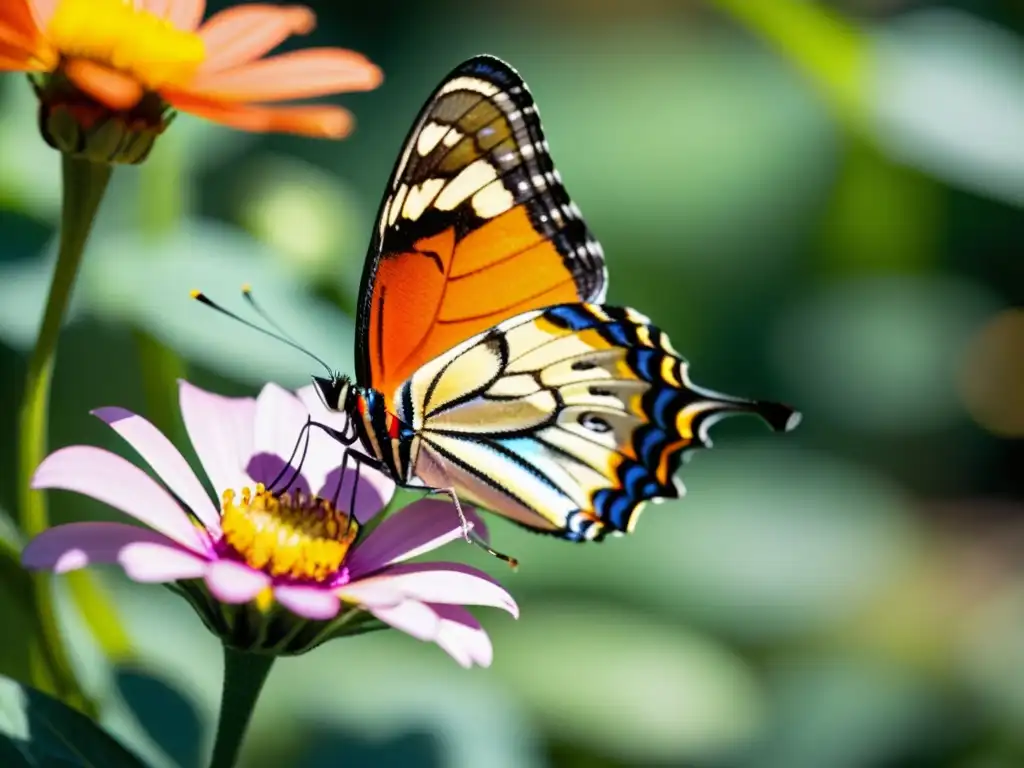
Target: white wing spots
x=469, y=180
x=453, y=137
x=430, y=136
x=469, y=84
x=478, y=180
x=395, y=205
x=420, y=197
x=386, y=219
x=667, y=346
x=492, y=200
x=636, y=317
x=708, y=422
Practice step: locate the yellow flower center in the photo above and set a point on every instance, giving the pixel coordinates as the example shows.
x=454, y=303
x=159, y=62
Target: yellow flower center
x=134, y=41
x=292, y=535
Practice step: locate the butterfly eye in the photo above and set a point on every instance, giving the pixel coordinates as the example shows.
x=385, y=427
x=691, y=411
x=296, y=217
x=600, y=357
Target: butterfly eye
x=594, y=423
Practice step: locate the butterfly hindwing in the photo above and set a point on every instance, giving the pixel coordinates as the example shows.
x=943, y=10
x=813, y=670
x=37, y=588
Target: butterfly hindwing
x=565, y=420
x=475, y=227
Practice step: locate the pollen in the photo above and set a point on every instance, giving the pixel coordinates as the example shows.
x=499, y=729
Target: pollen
x=291, y=535
x=126, y=38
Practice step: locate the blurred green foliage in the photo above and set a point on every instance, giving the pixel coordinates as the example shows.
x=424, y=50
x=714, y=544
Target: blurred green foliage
x=820, y=202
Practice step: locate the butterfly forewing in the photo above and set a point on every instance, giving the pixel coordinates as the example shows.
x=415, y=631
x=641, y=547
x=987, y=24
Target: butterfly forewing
x=475, y=227
x=566, y=420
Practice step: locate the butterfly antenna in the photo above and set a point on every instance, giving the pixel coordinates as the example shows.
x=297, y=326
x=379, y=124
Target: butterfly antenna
x=259, y=310
x=280, y=336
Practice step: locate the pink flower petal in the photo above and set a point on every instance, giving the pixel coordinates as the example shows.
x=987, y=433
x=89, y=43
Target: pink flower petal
x=294, y=75
x=279, y=421
x=431, y=583
x=420, y=527
x=374, y=489
x=149, y=562
x=461, y=636
x=69, y=547
x=412, y=617
x=233, y=582
x=309, y=602
x=221, y=431
x=108, y=478
x=168, y=463
x=243, y=33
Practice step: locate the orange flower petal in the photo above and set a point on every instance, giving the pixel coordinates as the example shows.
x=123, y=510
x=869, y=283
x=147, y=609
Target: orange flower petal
x=184, y=14
x=244, y=33
x=115, y=89
x=15, y=63
x=17, y=16
x=17, y=37
x=316, y=121
x=16, y=57
x=296, y=75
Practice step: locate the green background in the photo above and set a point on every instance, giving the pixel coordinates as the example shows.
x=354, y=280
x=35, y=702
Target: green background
x=820, y=202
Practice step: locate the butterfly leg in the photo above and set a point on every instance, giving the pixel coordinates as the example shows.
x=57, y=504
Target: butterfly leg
x=467, y=534
x=288, y=464
x=361, y=458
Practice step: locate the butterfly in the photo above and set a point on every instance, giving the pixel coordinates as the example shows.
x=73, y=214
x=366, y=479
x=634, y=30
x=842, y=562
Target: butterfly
x=487, y=366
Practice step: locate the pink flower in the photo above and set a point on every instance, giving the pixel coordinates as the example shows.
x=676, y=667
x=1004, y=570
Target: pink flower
x=281, y=545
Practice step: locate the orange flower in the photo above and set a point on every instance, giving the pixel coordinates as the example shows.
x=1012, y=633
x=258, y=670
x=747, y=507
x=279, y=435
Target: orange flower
x=131, y=56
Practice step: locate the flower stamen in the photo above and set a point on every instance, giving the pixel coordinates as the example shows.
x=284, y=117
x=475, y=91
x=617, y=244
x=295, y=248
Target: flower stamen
x=293, y=535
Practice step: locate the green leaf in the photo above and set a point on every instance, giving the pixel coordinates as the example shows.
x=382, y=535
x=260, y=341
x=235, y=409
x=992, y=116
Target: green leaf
x=42, y=731
x=164, y=711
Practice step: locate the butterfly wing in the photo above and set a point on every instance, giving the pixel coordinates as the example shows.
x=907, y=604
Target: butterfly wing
x=475, y=227
x=565, y=420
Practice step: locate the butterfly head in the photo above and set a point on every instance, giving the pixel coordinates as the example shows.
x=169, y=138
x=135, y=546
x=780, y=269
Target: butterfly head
x=336, y=392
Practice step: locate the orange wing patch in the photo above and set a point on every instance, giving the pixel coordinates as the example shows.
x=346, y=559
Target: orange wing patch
x=431, y=299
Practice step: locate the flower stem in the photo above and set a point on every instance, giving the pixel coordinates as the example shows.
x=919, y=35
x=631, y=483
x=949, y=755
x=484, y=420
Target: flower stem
x=244, y=675
x=84, y=185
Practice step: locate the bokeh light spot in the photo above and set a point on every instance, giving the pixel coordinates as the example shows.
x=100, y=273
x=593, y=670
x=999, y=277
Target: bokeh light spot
x=992, y=376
